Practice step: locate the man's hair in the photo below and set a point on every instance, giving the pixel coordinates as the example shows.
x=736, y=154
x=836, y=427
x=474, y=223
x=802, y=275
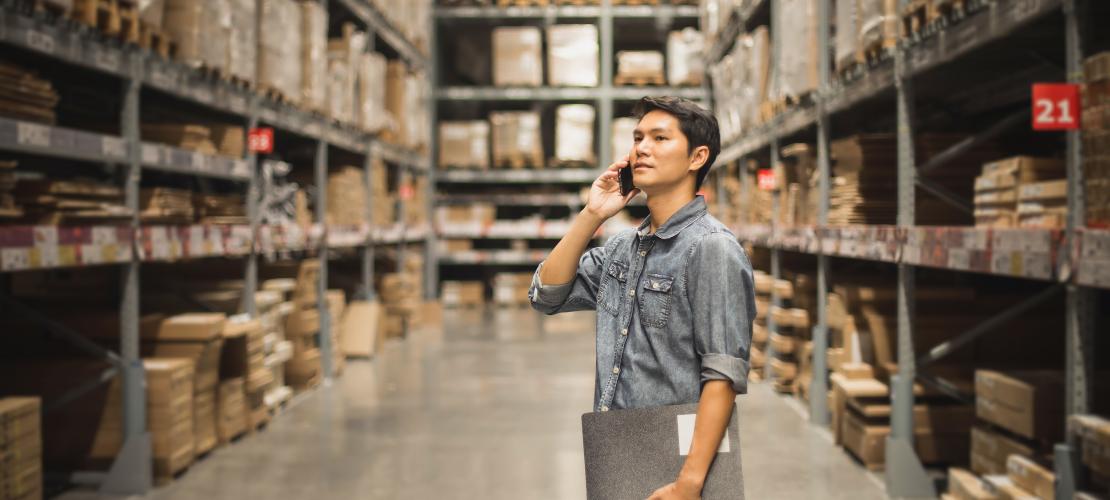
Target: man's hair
x=698, y=125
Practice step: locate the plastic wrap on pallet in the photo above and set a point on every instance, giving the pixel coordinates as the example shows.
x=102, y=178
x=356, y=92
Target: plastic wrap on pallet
x=516, y=135
x=798, y=64
x=708, y=12
x=279, y=47
x=621, y=140
x=847, y=41
x=339, y=97
x=395, y=74
x=685, y=64
x=574, y=133
x=639, y=63
x=516, y=56
x=371, y=91
x=572, y=55
x=184, y=22
x=738, y=88
x=314, y=57
x=759, y=71
x=464, y=144
x=243, y=45
x=150, y=11
x=215, y=34
x=878, y=22
x=414, y=123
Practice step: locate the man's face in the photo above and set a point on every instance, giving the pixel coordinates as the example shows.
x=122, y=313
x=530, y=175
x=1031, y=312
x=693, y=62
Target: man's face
x=659, y=155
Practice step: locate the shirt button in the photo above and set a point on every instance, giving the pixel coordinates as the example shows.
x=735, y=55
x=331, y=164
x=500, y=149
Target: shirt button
x=632, y=293
x=642, y=253
x=616, y=370
x=624, y=331
x=604, y=408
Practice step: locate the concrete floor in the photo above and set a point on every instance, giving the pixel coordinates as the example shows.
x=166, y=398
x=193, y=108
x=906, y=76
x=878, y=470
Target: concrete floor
x=488, y=408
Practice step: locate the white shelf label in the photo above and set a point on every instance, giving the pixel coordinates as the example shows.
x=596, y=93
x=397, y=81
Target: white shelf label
x=199, y=161
x=202, y=93
x=15, y=259
x=151, y=155
x=161, y=77
x=41, y=41
x=107, y=60
x=33, y=134
x=113, y=147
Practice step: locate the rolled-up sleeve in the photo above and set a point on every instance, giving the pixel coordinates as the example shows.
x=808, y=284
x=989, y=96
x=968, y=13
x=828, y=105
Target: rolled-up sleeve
x=580, y=294
x=722, y=297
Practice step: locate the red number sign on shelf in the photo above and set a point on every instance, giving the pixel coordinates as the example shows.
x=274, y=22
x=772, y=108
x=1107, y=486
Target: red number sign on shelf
x=766, y=180
x=1055, y=106
x=261, y=140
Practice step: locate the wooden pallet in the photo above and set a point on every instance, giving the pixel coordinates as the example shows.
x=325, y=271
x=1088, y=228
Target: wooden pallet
x=516, y=162
x=54, y=7
x=161, y=480
x=103, y=15
x=635, y=2
x=578, y=2
x=155, y=40
x=876, y=52
x=639, y=80
x=274, y=94
x=522, y=3
x=950, y=9
x=557, y=163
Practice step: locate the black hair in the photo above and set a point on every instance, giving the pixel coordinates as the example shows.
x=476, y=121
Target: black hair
x=697, y=124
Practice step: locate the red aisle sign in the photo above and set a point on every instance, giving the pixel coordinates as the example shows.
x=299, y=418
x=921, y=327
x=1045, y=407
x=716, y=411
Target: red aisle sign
x=406, y=191
x=261, y=140
x=1055, y=106
x=766, y=180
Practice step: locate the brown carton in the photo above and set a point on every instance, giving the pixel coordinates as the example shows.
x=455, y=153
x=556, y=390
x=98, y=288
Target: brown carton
x=1032, y=477
x=1028, y=403
x=464, y=144
x=967, y=486
x=572, y=55
x=990, y=448
x=516, y=57
x=204, y=428
x=192, y=327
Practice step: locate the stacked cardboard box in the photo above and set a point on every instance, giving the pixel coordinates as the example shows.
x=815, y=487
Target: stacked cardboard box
x=1093, y=432
x=463, y=293
x=337, y=305
x=511, y=289
x=9, y=209
x=301, y=328
x=166, y=206
x=998, y=188
x=475, y=214
x=685, y=66
x=1029, y=404
x=231, y=409
x=574, y=134
x=244, y=359
x=464, y=144
x=26, y=96
x=572, y=55
x=876, y=26
x=169, y=413
x=21, y=448
x=190, y=136
x=796, y=177
x=405, y=104
x=760, y=335
x=279, y=48
x=344, y=57
x=346, y=197
x=516, y=139
x=370, y=91
x=639, y=67
x=201, y=31
x=220, y=209
x=243, y=44
x=47, y=201
x=416, y=206
x=1043, y=204
x=741, y=84
x=363, y=329
x=1096, y=139
x=517, y=59
x=273, y=309
x=199, y=338
x=314, y=56
x=385, y=203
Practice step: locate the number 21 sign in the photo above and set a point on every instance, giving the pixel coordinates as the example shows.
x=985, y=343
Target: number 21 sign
x=1055, y=106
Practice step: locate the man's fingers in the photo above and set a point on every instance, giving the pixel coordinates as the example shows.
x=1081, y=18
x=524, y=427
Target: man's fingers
x=631, y=194
x=617, y=166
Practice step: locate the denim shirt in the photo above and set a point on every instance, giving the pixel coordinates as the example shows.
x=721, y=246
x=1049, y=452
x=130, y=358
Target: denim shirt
x=674, y=310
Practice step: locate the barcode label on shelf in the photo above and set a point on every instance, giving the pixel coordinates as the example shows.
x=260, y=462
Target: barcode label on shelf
x=151, y=155
x=198, y=161
x=202, y=93
x=959, y=258
x=104, y=59
x=161, y=77
x=33, y=134
x=15, y=259
x=113, y=147
x=237, y=103
x=40, y=41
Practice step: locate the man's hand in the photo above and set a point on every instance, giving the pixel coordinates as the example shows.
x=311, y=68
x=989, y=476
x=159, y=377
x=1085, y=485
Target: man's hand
x=677, y=490
x=605, y=194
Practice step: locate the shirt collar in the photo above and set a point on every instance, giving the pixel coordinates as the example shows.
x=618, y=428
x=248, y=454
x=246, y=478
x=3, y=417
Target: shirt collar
x=681, y=219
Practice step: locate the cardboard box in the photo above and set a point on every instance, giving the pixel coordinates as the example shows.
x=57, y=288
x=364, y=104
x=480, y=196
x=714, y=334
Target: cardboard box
x=231, y=410
x=1006, y=489
x=302, y=321
x=640, y=64
x=685, y=65
x=279, y=47
x=1028, y=403
x=1020, y=170
x=464, y=144
x=516, y=57
x=572, y=55
x=868, y=442
x=170, y=414
x=574, y=133
x=191, y=327
x=511, y=289
x=990, y=448
x=204, y=428
x=1044, y=190
x=1032, y=477
x=516, y=139
x=463, y=293
x=964, y=485
x=19, y=417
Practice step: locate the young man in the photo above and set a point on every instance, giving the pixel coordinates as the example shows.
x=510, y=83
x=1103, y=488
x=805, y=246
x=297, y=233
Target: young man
x=674, y=298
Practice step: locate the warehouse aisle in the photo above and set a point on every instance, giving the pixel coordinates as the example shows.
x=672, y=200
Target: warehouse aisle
x=490, y=409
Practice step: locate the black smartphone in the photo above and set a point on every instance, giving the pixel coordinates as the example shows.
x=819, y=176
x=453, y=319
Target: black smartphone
x=626, y=180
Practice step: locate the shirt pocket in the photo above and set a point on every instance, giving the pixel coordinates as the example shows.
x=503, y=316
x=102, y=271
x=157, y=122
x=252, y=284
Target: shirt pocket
x=655, y=300
x=612, y=287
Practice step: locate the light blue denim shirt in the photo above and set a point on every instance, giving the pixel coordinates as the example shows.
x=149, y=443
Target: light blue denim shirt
x=674, y=310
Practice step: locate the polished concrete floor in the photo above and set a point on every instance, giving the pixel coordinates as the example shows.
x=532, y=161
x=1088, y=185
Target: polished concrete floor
x=487, y=408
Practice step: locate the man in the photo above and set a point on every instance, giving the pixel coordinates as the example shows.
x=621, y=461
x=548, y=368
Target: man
x=674, y=298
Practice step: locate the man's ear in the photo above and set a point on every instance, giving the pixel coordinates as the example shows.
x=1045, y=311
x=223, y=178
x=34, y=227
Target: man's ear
x=698, y=158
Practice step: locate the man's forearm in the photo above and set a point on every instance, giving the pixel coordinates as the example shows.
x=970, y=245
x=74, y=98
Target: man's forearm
x=714, y=409
x=561, y=265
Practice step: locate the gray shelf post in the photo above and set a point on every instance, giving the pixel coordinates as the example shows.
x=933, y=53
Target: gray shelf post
x=605, y=100
x=1079, y=312
x=367, y=250
x=905, y=475
x=254, y=215
x=431, y=250
x=776, y=256
x=130, y=473
x=818, y=388
x=321, y=171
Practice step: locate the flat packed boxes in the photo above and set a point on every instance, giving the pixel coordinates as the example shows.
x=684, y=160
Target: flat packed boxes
x=463, y=293
x=1096, y=139
x=516, y=139
x=301, y=328
x=574, y=134
x=997, y=191
x=511, y=289
x=639, y=67
x=464, y=144
x=516, y=57
x=20, y=448
x=572, y=55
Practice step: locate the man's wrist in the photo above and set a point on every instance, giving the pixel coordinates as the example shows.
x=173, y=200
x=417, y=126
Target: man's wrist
x=591, y=217
x=690, y=481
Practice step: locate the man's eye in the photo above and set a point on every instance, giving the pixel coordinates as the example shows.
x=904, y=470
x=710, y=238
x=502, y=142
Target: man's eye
x=660, y=138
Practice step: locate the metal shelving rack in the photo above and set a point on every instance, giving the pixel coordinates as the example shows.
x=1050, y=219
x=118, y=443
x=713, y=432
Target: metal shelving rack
x=1074, y=259
x=126, y=246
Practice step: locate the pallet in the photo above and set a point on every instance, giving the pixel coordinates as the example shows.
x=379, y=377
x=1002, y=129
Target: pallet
x=876, y=52
x=917, y=15
x=557, y=163
x=161, y=480
x=462, y=166
x=516, y=162
x=53, y=7
x=155, y=40
x=635, y=2
x=950, y=8
x=273, y=94
x=580, y=3
x=639, y=80
x=522, y=3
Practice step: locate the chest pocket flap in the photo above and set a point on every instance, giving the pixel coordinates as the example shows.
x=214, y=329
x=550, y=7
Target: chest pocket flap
x=618, y=270
x=658, y=283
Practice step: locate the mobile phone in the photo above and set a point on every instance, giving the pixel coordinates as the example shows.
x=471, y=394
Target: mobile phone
x=626, y=180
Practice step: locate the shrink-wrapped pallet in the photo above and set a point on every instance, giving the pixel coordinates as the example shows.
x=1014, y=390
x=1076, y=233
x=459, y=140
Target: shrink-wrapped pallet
x=636, y=65
x=572, y=55
x=370, y=93
x=798, y=55
x=574, y=133
x=878, y=23
x=201, y=29
x=685, y=64
x=151, y=12
x=622, y=137
x=516, y=56
x=846, y=42
x=516, y=139
x=464, y=144
x=340, y=100
x=349, y=48
x=243, y=44
x=314, y=57
x=279, y=47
